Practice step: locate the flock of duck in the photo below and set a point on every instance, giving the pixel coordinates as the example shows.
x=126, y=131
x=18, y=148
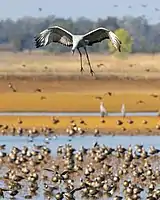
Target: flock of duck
x=98, y=172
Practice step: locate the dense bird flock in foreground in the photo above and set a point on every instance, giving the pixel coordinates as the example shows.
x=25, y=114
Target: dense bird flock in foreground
x=99, y=172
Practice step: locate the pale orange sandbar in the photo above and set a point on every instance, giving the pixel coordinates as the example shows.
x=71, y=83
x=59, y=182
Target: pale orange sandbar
x=76, y=102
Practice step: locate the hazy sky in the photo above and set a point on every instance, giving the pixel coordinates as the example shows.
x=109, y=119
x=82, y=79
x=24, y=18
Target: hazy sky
x=75, y=8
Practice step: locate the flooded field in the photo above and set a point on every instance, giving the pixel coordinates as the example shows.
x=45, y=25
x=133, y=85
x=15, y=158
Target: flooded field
x=105, y=167
x=79, y=155
x=78, y=141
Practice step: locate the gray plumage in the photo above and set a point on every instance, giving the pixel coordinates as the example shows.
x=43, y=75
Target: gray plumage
x=60, y=35
x=103, y=110
x=123, y=110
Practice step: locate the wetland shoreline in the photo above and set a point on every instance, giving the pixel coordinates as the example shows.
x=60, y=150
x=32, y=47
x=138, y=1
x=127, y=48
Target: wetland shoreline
x=80, y=125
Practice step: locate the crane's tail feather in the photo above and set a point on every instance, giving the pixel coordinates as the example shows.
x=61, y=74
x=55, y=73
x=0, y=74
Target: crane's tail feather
x=42, y=39
x=115, y=41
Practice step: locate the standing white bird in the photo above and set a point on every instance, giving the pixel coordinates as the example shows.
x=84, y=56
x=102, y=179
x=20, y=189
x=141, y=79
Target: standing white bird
x=60, y=35
x=103, y=110
x=123, y=110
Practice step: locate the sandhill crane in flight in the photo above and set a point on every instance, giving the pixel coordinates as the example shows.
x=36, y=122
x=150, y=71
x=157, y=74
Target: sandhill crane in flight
x=60, y=35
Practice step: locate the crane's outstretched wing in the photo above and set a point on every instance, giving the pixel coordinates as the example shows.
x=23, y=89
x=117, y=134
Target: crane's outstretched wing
x=99, y=35
x=53, y=34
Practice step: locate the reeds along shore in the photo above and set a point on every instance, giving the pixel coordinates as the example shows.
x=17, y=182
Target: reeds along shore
x=137, y=65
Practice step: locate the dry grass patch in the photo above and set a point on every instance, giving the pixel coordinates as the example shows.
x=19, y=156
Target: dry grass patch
x=146, y=66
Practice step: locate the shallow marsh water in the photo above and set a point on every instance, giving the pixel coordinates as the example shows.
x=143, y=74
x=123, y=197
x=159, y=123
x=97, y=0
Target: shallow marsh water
x=77, y=142
x=75, y=114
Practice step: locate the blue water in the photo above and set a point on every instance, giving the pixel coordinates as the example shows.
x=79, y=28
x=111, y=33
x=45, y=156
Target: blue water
x=78, y=141
x=75, y=114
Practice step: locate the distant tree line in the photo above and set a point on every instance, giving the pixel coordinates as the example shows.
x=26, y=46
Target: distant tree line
x=19, y=35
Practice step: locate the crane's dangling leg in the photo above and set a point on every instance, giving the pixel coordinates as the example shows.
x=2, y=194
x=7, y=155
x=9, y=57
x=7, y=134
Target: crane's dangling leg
x=91, y=70
x=81, y=60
